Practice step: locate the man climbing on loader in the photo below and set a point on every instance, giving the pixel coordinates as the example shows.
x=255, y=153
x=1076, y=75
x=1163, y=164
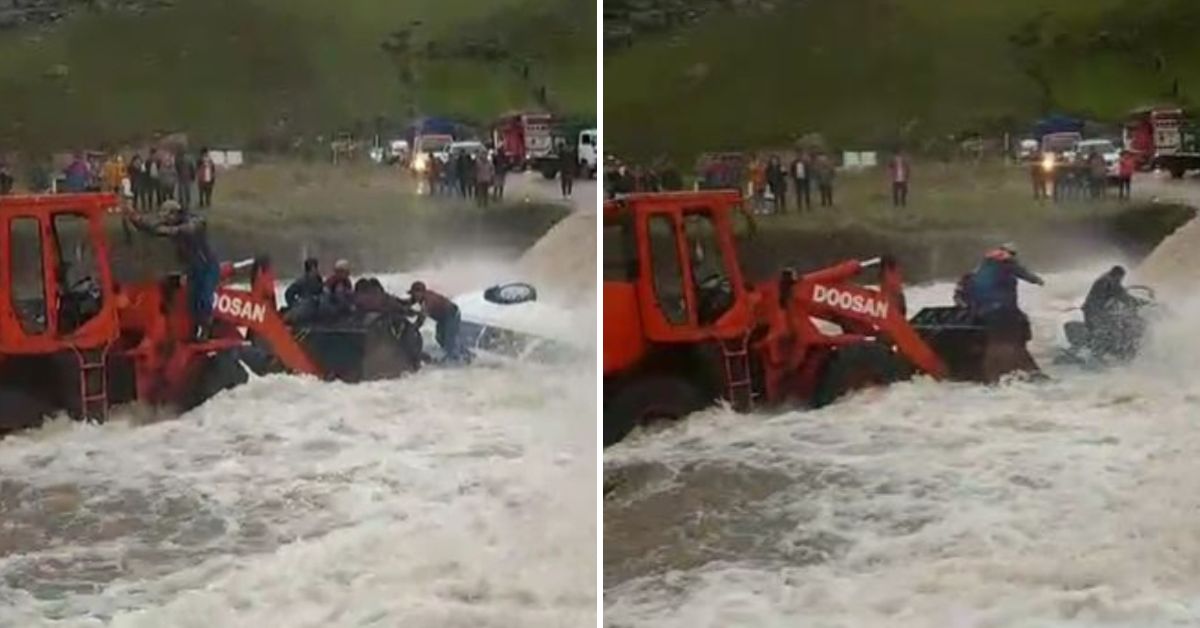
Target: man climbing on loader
x=309, y=285
x=445, y=313
x=189, y=233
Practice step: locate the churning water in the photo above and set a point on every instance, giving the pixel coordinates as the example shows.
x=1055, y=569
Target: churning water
x=1069, y=503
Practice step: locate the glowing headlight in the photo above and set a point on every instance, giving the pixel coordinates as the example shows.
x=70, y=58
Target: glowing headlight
x=1048, y=163
x=421, y=162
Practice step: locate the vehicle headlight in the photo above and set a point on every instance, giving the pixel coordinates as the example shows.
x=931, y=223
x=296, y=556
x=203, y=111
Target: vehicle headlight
x=421, y=162
x=1048, y=163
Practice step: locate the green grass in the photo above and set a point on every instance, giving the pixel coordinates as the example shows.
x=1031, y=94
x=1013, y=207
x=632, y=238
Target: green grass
x=230, y=70
x=880, y=72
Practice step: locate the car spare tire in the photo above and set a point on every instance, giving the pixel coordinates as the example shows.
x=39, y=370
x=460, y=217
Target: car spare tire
x=510, y=293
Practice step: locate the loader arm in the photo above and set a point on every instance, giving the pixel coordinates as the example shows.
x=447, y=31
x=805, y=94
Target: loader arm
x=245, y=308
x=830, y=294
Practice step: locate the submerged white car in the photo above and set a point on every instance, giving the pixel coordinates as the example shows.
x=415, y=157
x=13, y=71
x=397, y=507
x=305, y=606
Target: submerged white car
x=507, y=321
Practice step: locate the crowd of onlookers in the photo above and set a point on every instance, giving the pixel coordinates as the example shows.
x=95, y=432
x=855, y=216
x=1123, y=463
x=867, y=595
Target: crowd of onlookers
x=1087, y=177
x=479, y=177
x=767, y=180
x=146, y=180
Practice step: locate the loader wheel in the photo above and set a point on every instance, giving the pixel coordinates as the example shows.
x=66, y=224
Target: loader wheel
x=221, y=372
x=19, y=411
x=648, y=401
x=857, y=367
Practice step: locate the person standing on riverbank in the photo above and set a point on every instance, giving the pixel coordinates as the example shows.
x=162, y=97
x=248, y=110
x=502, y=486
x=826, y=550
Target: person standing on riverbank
x=777, y=181
x=566, y=170
x=825, y=172
x=900, y=171
x=206, y=177
x=185, y=171
x=485, y=172
x=1125, y=168
x=500, y=166
x=802, y=182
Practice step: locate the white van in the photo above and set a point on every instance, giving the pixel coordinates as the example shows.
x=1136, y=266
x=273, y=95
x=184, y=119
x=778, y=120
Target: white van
x=587, y=153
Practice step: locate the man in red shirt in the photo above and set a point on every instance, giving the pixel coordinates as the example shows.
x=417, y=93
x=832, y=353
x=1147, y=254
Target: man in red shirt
x=445, y=313
x=1125, y=174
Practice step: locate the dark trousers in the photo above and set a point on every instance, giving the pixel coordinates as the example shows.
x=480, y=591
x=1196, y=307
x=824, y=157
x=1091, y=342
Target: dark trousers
x=900, y=194
x=803, y=193
x=499, y=185
x=185, y=194
x=1124, y=187
x=826, y=194
x=202, y=286
x=483, y=193
x=568, y=183
x=144, y=198
x=206, y=190
x=447, y=335
x=779, y=194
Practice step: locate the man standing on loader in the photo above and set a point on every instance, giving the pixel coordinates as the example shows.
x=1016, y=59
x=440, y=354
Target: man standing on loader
x=992, y=290
x=190, y=234
x=308, y=286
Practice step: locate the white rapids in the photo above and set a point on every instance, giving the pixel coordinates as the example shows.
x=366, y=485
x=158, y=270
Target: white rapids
x=453, y=497
x=1069, y=503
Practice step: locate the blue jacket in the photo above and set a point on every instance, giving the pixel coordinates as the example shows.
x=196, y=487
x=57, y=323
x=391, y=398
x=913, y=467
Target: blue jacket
x=994, y=284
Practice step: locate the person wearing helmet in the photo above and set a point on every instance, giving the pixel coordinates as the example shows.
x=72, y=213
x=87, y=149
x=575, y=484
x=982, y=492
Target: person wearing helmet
x=189, y=233
x=992, y=290
x=445, y=313
x=993, y=285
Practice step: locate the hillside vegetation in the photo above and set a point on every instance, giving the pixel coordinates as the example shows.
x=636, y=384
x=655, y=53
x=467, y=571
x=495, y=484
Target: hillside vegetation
x=240, y=70
x=875, y=73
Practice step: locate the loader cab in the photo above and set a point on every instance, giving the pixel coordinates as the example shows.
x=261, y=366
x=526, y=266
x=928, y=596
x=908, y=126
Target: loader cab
x=56, y=289
x=672, y=273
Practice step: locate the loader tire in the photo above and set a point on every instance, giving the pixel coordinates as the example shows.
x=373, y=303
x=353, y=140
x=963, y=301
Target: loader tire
x=857, y=367
x=646, y=401
x=19, y=411
x=221, y=372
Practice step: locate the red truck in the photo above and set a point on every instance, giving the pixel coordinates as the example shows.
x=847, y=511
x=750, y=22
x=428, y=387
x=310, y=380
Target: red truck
x=524, y=138
x=1163, y=138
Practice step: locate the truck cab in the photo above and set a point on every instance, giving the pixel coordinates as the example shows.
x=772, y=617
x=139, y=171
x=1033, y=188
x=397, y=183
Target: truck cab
x=588, y=153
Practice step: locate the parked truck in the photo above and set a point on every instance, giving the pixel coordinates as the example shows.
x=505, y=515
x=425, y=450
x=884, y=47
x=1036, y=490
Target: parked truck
x=577, y=137
x=525, y=139
x=1163, y=139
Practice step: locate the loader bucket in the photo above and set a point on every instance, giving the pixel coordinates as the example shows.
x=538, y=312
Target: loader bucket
x=975, y=349
x=378, y=348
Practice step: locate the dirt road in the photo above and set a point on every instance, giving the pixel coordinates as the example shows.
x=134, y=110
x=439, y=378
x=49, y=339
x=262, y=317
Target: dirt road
x=1159, y=186
x=532, y=186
